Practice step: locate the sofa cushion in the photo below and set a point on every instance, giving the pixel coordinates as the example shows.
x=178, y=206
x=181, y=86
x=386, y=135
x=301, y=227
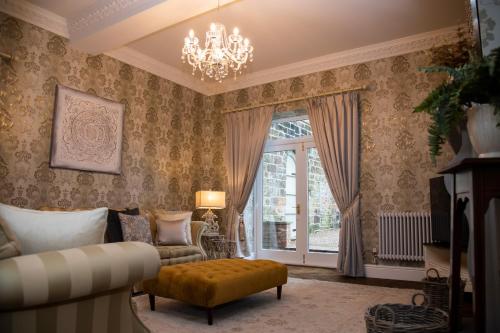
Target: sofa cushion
x=39, y=231
x=176, y=251
x=8, y=243
x=114, y=231
x=135, y=228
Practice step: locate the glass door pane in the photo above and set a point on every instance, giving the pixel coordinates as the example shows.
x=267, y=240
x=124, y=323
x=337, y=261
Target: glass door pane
x=323, y=213
x=279, y=220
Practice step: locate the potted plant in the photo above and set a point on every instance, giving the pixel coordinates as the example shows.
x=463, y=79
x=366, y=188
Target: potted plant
x=471, y=93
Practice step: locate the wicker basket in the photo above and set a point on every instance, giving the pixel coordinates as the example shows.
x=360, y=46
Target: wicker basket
x=437, y=289
x=397, y=318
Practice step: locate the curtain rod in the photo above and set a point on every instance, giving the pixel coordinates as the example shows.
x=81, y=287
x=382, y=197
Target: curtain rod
x=5, y=55
x=297, y=99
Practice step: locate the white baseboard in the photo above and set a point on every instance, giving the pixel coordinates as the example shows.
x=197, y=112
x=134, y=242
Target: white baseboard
x=395, y=272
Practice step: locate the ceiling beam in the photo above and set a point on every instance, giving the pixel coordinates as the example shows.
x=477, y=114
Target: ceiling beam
x=110, y=24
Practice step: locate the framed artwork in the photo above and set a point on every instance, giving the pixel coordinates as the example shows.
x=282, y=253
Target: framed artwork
x=87, y=132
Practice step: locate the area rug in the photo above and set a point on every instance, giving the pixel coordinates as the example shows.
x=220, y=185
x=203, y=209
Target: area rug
x=307, y=306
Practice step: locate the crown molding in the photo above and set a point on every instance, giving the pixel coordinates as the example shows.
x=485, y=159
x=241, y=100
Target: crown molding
x=103, y=11
x=35, y=15
x=414, y=43
x=142, y=61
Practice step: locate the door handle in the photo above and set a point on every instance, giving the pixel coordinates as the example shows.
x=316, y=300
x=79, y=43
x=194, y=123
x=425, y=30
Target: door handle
x=297, y=209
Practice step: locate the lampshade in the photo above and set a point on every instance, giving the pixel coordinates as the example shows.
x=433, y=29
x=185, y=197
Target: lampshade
x=210, y=199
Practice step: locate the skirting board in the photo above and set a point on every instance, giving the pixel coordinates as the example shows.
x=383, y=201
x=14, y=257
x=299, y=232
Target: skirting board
x=395, y=272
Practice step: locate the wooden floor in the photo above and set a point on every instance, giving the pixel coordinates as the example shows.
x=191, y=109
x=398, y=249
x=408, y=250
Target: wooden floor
x=330, y=274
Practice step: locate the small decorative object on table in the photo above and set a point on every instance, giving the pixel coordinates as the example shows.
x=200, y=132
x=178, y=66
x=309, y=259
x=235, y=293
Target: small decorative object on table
x=437, y=290
x=217, y=247
x=211, y=200
x=396, y=318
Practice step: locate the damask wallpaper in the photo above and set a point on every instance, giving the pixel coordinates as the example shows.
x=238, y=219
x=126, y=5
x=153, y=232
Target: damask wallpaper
x=395, y=163
x=173, y=145
x=174, y=137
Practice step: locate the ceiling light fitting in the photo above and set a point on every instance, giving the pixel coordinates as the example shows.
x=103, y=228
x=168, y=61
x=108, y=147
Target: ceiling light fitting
x=221, y=53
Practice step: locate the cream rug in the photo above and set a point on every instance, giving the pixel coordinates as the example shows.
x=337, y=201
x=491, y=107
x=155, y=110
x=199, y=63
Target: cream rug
x=306, y=306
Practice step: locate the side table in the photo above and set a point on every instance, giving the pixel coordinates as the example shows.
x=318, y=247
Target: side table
x=476, y=181
x=217, y=247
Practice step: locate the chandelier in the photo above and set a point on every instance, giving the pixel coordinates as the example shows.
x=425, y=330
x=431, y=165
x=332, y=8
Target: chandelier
x=221, y=53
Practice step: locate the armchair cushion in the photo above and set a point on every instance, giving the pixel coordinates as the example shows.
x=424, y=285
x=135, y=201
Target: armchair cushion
x=167, y=216
x=176, y=251
x=55, y=276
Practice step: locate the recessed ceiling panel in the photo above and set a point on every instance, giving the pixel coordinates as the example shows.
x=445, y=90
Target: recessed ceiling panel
x=288, y=31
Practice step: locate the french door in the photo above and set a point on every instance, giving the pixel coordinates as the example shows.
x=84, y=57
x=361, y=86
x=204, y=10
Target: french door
x=296, y=220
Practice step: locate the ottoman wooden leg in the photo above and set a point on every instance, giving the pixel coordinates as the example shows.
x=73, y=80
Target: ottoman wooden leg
x=152, y=302
x=279, y=291
x=210, y=316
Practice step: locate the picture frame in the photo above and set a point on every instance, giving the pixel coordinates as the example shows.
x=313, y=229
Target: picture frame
x=87, y=132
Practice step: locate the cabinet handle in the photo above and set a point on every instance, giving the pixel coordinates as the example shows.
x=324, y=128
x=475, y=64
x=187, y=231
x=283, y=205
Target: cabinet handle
x=297, y=209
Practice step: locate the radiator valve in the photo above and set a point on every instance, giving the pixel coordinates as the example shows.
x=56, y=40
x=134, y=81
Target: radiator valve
x=375, y=256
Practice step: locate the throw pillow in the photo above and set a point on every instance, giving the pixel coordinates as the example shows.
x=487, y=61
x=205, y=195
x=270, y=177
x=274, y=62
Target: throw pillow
x=39, y=231
x=171, y=232
x=166, y=216
x=114, y=231
x=135, y=228
x=8, y=245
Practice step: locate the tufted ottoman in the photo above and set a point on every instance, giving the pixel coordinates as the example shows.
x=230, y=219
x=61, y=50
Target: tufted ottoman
x=214, y=282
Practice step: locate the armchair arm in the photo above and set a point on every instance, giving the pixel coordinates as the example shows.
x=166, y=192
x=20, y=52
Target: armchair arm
x=55, y=276
x=197, y=229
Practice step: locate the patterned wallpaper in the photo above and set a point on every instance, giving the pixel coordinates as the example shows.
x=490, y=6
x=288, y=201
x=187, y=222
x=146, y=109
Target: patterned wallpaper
x=395, y=163
x=174, y=137
x=172, y=143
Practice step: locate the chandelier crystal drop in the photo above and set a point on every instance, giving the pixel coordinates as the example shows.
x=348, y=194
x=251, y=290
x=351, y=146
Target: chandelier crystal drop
x=221, y=53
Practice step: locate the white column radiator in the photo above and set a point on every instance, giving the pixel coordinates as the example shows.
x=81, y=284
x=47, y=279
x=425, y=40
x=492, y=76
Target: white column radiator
x=401, y=235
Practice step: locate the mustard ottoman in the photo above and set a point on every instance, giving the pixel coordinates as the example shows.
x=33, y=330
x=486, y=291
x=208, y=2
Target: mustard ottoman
x=214, y=282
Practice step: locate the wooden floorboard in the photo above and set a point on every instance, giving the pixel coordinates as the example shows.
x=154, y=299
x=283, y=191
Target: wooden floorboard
x=330, y=274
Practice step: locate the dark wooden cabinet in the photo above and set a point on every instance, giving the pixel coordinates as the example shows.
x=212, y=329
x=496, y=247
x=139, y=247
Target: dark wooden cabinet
x=475, y=182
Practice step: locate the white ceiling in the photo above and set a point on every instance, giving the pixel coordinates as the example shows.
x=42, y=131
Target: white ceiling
x=290, y=37
x=288, y=31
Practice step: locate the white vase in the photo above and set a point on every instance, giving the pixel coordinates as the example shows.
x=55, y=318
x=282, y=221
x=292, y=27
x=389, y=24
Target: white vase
x=483, y=131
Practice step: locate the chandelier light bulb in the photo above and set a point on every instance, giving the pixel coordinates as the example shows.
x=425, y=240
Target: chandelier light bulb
x=191, y=33
x=246, y=42
x=236, y=31
x=212, y=27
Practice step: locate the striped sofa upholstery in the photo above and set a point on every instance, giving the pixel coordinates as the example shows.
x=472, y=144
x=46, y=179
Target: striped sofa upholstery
x=85, y=289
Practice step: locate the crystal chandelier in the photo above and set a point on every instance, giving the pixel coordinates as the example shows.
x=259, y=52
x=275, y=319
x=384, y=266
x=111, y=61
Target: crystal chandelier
x=221, y=52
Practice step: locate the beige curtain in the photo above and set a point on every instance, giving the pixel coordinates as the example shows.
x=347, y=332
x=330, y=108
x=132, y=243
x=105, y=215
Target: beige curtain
x=335, y=126
x=246, y=133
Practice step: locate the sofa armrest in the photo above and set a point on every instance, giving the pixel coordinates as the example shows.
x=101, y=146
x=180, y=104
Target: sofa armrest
x=56, y=276
x=197, y=230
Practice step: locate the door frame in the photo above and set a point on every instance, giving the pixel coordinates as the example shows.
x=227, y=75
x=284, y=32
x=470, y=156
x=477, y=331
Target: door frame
x=301, y=256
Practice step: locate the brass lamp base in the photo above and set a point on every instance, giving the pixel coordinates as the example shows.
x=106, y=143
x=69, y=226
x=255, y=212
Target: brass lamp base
x=213, y=226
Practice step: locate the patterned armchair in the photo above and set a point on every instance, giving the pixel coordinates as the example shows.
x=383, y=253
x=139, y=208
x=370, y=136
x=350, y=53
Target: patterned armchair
x=85, y=289
x=179, y=254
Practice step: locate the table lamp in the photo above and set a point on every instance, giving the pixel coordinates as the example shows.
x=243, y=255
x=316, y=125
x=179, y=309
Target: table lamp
x=211, y=200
